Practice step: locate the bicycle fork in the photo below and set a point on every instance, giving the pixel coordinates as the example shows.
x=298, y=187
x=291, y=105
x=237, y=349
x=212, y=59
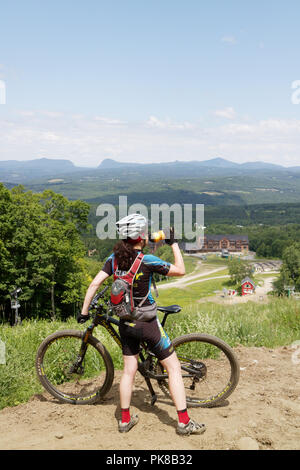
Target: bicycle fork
x=77, y=366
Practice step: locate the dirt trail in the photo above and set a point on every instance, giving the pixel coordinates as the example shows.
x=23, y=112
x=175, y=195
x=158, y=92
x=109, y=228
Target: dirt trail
x=186, y=280
x=265, y=408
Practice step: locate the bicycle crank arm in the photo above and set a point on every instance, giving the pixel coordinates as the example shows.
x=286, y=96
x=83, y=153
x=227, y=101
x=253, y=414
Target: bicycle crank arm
x=152, y=375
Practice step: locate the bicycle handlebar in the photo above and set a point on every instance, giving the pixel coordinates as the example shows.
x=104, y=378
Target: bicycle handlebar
x=102, y=292
x=97, y=297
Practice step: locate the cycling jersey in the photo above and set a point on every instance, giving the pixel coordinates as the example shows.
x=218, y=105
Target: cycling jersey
x=150, y=331
x=142, y=283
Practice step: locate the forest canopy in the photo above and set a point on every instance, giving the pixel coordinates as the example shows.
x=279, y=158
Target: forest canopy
x=42, y=252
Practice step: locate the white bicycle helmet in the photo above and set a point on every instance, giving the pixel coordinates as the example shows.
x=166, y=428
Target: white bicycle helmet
x=133, y=226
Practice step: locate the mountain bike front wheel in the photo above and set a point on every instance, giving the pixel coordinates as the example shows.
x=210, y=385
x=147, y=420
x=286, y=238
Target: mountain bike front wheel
x=209, y=367
x=65, y=376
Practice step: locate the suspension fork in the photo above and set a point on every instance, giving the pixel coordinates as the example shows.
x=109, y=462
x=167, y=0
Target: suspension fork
x=84, y=344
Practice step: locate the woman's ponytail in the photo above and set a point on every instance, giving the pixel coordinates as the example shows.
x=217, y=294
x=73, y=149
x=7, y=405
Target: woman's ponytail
x=125, y=254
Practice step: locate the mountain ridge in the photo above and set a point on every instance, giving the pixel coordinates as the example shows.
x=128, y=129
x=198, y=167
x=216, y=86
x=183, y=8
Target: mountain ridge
x=46, y=171
x=214, y=162
x=109, y=163
x=37, y=163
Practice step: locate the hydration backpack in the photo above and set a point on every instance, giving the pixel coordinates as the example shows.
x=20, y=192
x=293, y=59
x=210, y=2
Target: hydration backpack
x=121, y=297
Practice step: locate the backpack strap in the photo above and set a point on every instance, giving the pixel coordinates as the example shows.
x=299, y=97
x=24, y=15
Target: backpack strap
x=135, y=266
x=115, y=266
x=132, y=273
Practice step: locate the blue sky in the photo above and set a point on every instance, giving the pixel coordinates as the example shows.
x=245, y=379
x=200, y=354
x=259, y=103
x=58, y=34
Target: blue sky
x=150, y=80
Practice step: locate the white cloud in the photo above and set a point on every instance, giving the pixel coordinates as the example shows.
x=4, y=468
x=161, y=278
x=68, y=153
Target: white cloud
x=268, y=128
x=229, y=40
x=167, y=124
x=228, y=113
x=52, y=114
x=109, y=121
x=87, y=141
x=26, y=113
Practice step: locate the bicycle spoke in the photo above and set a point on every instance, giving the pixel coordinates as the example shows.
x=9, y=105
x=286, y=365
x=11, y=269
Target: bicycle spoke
x=59, y=361
x=207, y=370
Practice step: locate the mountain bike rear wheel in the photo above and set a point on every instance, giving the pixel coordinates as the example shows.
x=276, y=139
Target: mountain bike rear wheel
x=67, y=380
x=210, y=369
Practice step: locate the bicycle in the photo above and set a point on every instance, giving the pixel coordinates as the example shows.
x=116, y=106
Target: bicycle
x=75, y=367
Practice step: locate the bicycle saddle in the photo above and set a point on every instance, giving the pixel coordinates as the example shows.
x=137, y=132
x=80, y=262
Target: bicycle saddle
x=170, y=309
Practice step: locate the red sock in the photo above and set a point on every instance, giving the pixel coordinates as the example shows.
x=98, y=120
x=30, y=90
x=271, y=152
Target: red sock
x=125, y=415
x=183, y=416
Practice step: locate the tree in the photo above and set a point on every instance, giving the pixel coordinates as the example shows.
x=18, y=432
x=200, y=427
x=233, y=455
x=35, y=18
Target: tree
x=238, y=270
x=41, y=250
x=165, y=252
x=290, y=269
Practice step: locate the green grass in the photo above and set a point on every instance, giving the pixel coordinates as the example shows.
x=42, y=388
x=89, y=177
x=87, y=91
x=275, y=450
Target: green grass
x=190, y=294
x=215, y=260
x=273, y=324
x=18, y=381
x=276, y=323
x=192, y=268
x=223, y=272
x=190, y=264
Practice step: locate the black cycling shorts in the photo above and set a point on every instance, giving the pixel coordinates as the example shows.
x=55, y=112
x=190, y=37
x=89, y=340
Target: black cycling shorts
x=151, y=332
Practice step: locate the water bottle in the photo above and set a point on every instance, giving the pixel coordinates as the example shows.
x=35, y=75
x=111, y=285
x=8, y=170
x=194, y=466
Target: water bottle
x=157, y=236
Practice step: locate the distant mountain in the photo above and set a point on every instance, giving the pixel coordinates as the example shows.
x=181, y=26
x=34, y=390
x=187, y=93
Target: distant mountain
x=214, y=162
x=212, y=182
x=261, y=165
x=219, y=163
x=109, y=163
x=45, y=171
x=59, y=166
x=19, y=172
x=294, y=168
x=45, y=164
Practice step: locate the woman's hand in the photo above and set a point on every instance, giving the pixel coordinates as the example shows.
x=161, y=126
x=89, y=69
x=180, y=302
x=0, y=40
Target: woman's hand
x=178, y=268
x=170, y=236
x=82, y=318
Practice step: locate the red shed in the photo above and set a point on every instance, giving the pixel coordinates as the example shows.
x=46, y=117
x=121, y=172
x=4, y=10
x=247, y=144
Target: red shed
x=248, y=286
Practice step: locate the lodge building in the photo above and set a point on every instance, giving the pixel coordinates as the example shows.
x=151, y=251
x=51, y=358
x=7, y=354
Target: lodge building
x=217, y=243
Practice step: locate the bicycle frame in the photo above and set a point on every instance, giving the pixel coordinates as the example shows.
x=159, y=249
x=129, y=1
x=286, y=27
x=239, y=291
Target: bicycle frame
x=105, y=320
x=148, y=365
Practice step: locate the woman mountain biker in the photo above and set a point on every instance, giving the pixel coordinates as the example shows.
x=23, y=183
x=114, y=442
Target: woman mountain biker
x=133, y=229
